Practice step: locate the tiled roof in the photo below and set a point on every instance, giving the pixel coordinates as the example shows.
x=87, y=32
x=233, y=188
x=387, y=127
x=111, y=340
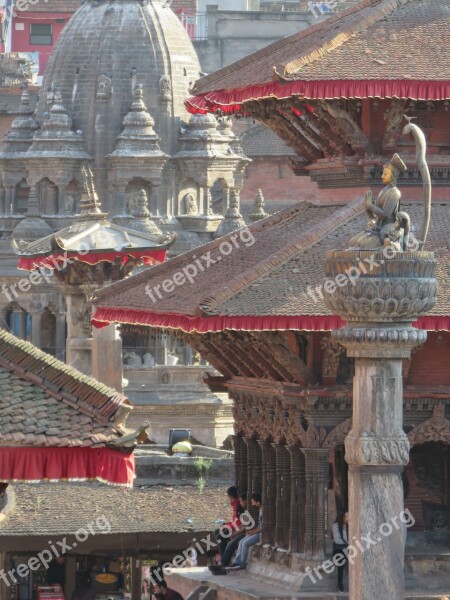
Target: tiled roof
x=373, y=40
x=262, y=141
x=53, y=6
x=271, y=277
x=44, y=402
x=135, y=510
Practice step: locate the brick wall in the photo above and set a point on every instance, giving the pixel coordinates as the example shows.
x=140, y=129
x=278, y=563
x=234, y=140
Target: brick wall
x=279, y=185
x=188, y=7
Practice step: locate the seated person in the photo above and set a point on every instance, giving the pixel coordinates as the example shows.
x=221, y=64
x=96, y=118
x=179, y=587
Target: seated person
x=252, y=537
x=162, y=592
x=239, y=534
x=221, y=537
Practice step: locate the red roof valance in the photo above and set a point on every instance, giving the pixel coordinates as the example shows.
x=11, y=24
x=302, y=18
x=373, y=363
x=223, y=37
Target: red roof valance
x=37, y=464
x=230, y=101
x=30, y=263
x=190, y=324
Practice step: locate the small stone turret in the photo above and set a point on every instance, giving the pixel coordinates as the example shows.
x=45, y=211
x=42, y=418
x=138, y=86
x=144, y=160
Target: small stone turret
x=233, y=219
x=33, y=227
x=259, y=206
x=142, y=220
x=20, y=136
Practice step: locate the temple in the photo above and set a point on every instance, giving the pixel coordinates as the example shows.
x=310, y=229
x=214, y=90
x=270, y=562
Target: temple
x=258, y=312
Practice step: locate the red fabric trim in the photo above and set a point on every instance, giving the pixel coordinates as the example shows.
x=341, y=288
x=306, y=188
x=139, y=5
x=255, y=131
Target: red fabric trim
x=231, y=101
x=66, y=464
x=54, y=260
x=104, y=316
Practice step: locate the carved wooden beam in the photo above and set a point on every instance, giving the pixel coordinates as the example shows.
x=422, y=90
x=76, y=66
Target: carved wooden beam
x=263, y=357
x=283, y=129
x=264, y=349
x=333, y=143
x=346, y=125
x=244, y=352
x=210, y=352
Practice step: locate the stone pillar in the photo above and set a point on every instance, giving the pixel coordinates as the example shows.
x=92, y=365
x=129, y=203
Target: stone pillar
x=298, y=500
x=79, y=333
x=379, y=308
x=9, y=199
x=107, y=356
x=2, y=201
x=21, y=316
x=316, y=500
x=36, y=317
x=60, y=336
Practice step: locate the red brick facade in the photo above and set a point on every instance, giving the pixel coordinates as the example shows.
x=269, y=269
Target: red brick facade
x=187, y=7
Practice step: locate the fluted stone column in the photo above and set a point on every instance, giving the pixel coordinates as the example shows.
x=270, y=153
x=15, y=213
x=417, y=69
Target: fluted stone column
x=379, y=309
x=316, y=494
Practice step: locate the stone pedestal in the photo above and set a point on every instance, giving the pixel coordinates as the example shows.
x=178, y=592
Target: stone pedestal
x=379, y=305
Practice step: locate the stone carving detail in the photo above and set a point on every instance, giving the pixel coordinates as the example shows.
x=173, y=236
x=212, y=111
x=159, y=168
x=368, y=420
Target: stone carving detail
x=165, y=89
x=104, y=87
x=337, y=436
x=396, y=336
x=436, y=429
x=190, y=205
x=371, y=450
x=166, y=378
x=69, y=204
x=397, y=290
x=313, y=437
x=394, y=117
x=332, y=354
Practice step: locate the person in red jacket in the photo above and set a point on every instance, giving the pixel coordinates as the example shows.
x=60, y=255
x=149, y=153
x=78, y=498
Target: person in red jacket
x=223, y=533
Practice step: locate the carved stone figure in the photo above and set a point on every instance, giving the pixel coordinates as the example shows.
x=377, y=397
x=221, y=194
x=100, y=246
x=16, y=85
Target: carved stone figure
x=149, y=360
x=165, y=89
x=190, y=205
x=69, y=203
x=132, y=360
x=104, y=87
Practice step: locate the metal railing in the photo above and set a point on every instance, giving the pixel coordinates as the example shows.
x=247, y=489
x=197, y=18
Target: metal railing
x=196, y=26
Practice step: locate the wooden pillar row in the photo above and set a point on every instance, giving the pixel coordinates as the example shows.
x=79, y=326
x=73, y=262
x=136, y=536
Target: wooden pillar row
x=316, y=484
x=298, y=500
x=240, y=464
x=283, y=495
x=269, y=495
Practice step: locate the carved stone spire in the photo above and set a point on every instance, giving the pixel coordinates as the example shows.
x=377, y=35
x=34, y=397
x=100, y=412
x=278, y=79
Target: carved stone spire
x=20, y=135
x=138, y=136
x=258, y=211
x=90, y=206
x=33, y=227
x=233, y=218
x=142, y=220
x=55, y=137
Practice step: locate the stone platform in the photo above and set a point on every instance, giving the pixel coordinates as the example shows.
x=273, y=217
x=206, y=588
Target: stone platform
x=427, y=577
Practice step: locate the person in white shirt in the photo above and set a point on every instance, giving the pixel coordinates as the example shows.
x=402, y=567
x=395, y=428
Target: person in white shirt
x=340, y=543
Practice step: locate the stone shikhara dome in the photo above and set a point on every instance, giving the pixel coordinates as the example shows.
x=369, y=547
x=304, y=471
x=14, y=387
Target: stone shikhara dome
x=113, y=96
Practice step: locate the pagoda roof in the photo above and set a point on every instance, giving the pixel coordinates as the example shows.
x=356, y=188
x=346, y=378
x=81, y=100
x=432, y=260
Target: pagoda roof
x=46, y=403
x=376, y=48
x=263, y=285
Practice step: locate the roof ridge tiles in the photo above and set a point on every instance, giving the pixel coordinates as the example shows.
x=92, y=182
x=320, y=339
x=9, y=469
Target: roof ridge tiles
x=264, y=267
x=202, y=85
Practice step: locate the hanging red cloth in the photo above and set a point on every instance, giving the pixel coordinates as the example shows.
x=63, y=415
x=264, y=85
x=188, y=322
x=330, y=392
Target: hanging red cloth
x=35, y=464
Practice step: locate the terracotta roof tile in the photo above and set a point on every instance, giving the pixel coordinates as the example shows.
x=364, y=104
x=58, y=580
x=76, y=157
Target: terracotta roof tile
x=35, y=408
x=271, y=277
x=375, y=39
x=136, y=510
x=262, y=141
x=54, y=6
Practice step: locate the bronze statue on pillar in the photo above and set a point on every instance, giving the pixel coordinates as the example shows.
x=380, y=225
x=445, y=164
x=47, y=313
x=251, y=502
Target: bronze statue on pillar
x=379, y=307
